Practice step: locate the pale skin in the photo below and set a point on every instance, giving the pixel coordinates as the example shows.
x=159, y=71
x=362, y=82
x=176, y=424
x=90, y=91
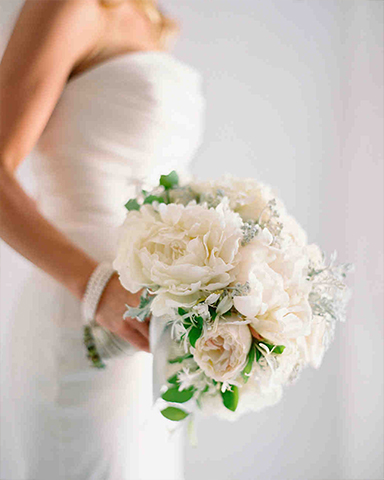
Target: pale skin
x=52, y=41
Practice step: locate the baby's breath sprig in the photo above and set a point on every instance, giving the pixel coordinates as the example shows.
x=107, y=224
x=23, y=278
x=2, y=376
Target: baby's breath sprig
x=251, y=228
x=212, y=200
x=183, y=195
x=272, y=223
x=239, y=289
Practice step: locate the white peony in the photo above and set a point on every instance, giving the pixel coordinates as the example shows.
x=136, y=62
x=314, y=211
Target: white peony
x=222, y=351
x=181, y=249
x=292, y=232
x=292, y=264
x=266, y=286
x=247, y=196
x=277, y=303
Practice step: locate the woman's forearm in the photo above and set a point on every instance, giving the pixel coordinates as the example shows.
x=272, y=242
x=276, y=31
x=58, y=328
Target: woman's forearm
x=29, y=233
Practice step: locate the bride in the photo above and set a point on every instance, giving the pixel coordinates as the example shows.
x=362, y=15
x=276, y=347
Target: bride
x=91, y=88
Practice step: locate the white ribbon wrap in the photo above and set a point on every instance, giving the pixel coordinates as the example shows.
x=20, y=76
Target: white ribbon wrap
x=159, y=341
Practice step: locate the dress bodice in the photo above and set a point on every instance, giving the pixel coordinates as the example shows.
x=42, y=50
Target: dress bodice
x=117, y=127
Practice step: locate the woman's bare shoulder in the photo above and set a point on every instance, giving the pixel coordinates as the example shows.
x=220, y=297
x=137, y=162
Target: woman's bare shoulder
x=62, y=7
x=51, y=33
x=54, y=11
x=48, y=39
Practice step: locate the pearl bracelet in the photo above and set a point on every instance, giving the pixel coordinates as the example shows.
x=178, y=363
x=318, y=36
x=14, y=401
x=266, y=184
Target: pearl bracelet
x=101, y=344
x=95, y=287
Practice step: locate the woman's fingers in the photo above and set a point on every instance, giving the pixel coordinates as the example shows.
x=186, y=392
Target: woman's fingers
x=142, y=327
x=133, y=336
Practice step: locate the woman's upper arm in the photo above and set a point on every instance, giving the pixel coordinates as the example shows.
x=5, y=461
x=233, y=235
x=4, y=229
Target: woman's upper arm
x=49, y=38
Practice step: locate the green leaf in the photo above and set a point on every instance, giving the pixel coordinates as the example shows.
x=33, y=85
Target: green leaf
x=269, y=345
x=143, y=311
x=194, y=334
x=174, y=414
x=173, y=394
x=180, y=359
x=231, y=398
x=174, y=379
x=181, y=311
x=132, y=204
x=200, y=321
x=187, y=322
x=258, y=355
x=145, y=299
x=154, y=198
x=249, y=365
x=212, y=312
x=278, y=349
x=170, y=180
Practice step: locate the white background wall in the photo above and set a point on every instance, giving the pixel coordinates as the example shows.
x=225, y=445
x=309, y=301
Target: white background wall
x=294, y=95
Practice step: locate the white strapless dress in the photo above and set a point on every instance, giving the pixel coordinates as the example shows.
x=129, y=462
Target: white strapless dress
x=117, y=127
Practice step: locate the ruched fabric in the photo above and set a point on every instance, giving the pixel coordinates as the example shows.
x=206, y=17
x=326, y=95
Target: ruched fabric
x=115, y=129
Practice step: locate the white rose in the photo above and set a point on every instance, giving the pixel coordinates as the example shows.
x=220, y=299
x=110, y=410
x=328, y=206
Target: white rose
x=181, y=249
x=222, y=352
x=264, y=387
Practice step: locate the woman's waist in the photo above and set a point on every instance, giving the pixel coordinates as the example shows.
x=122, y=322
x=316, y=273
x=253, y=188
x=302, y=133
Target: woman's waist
x=79, y=214
x=95, y=232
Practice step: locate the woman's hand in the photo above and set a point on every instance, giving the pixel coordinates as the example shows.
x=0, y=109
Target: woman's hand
x=110, y=313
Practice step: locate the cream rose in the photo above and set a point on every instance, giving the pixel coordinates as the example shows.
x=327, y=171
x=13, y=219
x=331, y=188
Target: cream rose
x=181, y=249
x=222, y=352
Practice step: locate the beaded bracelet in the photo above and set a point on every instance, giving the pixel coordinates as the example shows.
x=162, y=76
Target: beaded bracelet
x=93, y=291
x=95, y=287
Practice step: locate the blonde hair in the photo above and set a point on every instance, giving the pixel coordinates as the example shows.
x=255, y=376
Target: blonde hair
x=166, y=27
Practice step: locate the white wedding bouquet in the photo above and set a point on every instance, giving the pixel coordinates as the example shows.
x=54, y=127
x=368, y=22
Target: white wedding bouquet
x=230, y=275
